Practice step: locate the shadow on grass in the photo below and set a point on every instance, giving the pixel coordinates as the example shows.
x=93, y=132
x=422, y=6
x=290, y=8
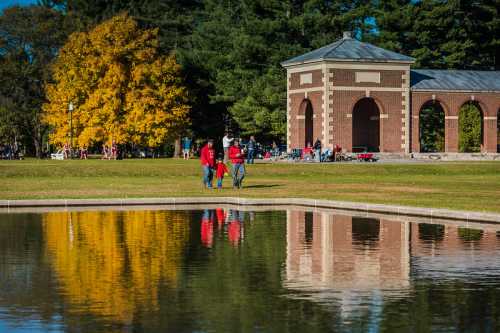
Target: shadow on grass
x=261, y=186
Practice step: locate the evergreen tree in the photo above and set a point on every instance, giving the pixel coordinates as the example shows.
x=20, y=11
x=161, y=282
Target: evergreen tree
x=241, y=44
x=440, y=34
x=175, y=19
x=394, y=22
x=29, y=40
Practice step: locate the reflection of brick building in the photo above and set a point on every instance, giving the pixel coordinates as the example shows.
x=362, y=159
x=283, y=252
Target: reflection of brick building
x=344, y=253
x=354, y=94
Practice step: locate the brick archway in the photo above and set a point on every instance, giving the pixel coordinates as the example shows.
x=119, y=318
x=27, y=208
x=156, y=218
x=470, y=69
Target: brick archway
x=366, y=125
x=480, y=108
x=432, y=127
x=306, y=122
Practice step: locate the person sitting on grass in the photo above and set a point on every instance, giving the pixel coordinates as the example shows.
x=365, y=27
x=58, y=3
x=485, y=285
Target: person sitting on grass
x=220, y=171
x=237, y=157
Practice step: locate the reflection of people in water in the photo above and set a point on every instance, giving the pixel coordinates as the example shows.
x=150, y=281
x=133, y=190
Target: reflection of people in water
x=235, y=226
x=207, y=225
x=221, y=217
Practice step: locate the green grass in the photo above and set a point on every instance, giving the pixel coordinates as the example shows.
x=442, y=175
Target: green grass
x=464, y=186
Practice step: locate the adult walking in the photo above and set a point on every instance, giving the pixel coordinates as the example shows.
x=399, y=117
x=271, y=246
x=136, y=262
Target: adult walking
x=207, y=157
x=317, y=150
x=226, y=144
x=252, y=144
x=237, y=158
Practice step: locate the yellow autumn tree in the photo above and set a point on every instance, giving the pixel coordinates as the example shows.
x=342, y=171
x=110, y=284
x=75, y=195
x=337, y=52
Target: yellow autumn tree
x=121, y=86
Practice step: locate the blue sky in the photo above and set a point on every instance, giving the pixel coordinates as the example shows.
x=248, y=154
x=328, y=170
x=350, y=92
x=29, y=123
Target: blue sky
x=8, y=3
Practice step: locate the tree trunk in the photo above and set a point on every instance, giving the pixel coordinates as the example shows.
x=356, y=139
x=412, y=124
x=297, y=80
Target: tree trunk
x=37, y=141
x=177, y=147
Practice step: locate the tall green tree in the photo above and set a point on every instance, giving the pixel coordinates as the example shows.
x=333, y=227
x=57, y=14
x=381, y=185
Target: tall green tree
x=29, y=40
x=240, y=44
x=442, y=34
x=175, y=19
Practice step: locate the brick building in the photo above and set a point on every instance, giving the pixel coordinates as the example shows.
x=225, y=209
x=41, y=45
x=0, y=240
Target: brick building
x=360, y=96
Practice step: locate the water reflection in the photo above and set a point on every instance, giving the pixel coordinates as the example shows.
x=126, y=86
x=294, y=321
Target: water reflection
x=346, y=253
x=113, y=261
x=361, y=267
x=228, y=270
x=231, y=221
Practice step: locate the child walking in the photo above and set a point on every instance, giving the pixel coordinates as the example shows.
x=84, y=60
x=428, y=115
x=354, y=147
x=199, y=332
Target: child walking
x=221, y=171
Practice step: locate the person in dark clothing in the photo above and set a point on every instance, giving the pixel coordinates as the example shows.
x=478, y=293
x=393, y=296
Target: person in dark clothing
x=317, y=150
x=251, y=146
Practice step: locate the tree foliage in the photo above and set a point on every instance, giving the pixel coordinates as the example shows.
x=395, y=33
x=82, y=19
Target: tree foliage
x=441, y=34
x=122, y=87
x=230, y=50
x=470, y=128
x=241, y=44
x=431, y=121
x=29, y=40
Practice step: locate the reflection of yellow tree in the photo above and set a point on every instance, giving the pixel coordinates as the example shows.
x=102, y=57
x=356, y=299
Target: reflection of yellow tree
x=113, y=262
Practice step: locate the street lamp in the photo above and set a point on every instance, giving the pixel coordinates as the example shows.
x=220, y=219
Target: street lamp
x=70, y=109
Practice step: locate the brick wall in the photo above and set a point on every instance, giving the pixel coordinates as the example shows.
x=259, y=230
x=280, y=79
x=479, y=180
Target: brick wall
x=391, y=96
x=389, y=105
x=451, y=103
x=347, y=77
x=297, y=117
x=317, y=79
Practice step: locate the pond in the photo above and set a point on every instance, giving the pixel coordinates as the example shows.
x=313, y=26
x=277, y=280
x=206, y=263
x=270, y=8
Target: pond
x=228, y=270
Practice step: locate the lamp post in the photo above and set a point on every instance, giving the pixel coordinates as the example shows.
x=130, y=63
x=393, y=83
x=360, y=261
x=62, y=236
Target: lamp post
x=70, y=109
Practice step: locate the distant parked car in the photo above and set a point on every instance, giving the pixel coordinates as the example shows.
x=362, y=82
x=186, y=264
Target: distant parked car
x=57, y=156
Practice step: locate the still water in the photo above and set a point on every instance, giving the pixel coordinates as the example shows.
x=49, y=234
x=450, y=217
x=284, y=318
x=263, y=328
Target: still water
x=223, y=270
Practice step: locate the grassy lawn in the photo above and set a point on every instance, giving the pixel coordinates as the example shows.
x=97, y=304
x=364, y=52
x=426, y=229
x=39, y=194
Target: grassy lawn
x=465, y=186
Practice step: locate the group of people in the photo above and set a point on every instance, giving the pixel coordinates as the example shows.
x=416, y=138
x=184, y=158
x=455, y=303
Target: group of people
x=110, y=152
x=210, y=164
x=10, y=151
x=313, y=152
x=83, y=152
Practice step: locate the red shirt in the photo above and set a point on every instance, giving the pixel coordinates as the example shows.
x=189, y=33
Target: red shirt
x=220, y=170
x=207, y=156
x=233, y=155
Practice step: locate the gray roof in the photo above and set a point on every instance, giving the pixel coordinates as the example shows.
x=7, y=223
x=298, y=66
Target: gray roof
x=429, y=79
x=346, y=49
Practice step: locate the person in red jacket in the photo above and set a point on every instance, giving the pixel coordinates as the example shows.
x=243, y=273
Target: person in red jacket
x=220, y=171
x=237, y=157
x=207, y=157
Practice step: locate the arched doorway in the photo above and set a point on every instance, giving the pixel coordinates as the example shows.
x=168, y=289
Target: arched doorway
x=366, y=126
x=306, y=110
x=470, y=128
x=431, y=127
